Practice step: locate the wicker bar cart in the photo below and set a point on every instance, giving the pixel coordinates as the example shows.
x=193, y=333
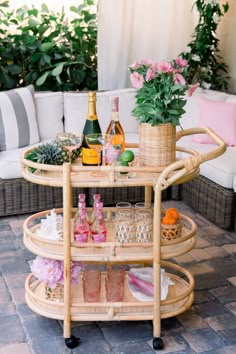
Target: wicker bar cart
x=72, y=307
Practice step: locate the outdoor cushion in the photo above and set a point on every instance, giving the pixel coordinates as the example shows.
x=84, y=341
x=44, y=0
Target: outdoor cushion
x=10, y=162
x=76, y=109
x=18, y=123
x=49, y=107
x=220, y=170
x=220, y=117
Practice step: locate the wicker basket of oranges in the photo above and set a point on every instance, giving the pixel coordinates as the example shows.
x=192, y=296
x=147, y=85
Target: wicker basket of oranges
x=171, y=225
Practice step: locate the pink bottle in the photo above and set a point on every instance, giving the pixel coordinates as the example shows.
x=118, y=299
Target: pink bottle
x=81, y=227
x=99, y=229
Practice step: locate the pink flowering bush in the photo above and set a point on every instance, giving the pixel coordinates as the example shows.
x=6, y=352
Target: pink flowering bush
x=161, y=90
x=51, y=271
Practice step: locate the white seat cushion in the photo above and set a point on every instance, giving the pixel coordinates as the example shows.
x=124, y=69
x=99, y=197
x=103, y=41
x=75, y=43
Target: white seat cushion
x=220, y=170
x=10, y=166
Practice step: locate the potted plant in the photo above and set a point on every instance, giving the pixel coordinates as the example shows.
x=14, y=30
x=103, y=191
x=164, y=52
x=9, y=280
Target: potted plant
x=160, y=100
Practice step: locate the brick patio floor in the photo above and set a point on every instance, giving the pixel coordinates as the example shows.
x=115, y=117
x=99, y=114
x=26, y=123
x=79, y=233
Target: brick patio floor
x=208, y=327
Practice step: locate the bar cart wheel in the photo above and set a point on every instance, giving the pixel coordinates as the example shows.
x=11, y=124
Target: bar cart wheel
x=72, y=342
x=157, y=343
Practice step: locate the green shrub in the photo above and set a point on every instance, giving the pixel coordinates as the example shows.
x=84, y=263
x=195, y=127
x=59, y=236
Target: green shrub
x=48, y=49
x=206, y=65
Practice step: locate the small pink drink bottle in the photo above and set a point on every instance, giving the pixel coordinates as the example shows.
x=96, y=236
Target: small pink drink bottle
x=81, y=227
x=99, y=229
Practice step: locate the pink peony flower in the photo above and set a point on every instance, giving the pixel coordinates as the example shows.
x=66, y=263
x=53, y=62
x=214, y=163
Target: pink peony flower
x=179, y=79
x=181, y=62
x=150, y=74
x=51, y=271
x=135, y=65
x=164, y=66
x=147, y=62
x=192, y=89
x=137, y=80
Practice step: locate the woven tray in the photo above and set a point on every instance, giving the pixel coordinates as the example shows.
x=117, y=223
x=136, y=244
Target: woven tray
x=180, y=297
x=111, y=250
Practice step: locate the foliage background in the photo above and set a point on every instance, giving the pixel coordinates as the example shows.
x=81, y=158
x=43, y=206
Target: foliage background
x=206, y=65
x=47, y=49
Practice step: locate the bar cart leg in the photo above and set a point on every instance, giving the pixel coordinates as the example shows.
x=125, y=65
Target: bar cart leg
x=70, y=340
x=148, y=194
x=157, y=341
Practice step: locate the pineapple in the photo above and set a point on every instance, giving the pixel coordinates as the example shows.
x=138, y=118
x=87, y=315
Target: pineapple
x=51, y=154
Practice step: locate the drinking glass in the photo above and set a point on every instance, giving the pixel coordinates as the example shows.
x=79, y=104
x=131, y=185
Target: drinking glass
x=92, y=285
x=98, y=142
x=114, y=284
x=124, y=225
x=142, y=205
x=144, y=225
x=70, y=141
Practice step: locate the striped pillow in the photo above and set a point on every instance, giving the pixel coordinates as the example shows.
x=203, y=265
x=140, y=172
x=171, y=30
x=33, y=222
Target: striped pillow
x=18, y=124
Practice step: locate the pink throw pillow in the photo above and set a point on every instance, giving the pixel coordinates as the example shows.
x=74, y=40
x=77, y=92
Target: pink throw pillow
x=220, y=117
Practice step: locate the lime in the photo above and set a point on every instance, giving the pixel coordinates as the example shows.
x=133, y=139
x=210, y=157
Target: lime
x=123, y=163
x=127, y=156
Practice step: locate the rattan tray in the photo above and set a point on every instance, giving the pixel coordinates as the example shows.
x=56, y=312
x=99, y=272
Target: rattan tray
x=180, y=297
x=111, y=250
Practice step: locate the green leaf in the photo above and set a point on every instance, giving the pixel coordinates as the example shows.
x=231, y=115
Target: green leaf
x=44, y=8
x=58, y=79
x=46, y=47
x=33, y=12
x=74, y=9
x=79, y=31
x=58, y=69
x=42, y=78
x=14, y=69
x=43, y=29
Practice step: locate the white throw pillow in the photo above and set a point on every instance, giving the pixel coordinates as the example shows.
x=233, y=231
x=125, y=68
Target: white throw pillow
x=18, y=123
x=49, y=108
x=76, y=109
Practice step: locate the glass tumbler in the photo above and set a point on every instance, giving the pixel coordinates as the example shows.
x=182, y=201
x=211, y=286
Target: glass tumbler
x=125, y=225
x=123, y=205
x=114, y=284
x=142, y=205
x=144, y=225
x=92, y=285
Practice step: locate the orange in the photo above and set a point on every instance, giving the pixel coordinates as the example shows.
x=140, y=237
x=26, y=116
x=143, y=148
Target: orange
x=169, y=220
x=172, y=212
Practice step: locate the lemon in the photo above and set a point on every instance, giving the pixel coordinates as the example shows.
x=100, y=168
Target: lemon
x=127, y=156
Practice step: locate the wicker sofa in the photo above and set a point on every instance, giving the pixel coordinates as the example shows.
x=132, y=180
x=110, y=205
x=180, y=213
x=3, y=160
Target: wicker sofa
x=212, y=193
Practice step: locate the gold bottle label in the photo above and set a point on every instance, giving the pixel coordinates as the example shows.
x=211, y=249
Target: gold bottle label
x=89, y=156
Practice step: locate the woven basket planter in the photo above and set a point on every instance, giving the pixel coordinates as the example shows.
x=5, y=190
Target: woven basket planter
x=171, y=232
x=56, y=294
x=157, y=144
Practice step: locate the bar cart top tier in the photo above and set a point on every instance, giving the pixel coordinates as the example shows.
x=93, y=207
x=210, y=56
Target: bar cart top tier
x=181, y=171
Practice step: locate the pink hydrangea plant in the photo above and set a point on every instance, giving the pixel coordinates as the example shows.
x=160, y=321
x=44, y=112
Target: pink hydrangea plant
x=161, y=90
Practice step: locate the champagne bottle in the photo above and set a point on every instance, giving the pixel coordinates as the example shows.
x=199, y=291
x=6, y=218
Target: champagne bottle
x=115, y=129
x=92, y=126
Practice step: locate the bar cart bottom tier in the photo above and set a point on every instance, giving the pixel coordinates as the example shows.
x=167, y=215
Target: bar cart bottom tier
x=180, y=298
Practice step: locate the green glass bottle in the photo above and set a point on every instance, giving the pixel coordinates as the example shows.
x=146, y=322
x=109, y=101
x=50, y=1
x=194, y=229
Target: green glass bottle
x=92, y=126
